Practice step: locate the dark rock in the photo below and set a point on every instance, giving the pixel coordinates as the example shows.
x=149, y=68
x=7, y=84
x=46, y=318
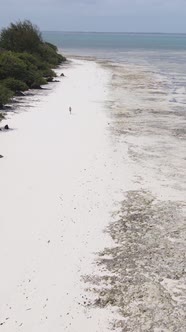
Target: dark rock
x=36, y=86
x=5, y=107
x=50, y=79
x=56, y=81
x=62, y=75
x=1, y=156
x=19, y=93
x=6, y=127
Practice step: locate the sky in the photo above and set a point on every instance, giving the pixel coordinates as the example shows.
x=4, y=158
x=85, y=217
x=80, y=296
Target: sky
x=98, y=15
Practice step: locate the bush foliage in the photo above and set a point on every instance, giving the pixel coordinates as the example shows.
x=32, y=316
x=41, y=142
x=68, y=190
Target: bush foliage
x=26, y=61
x=14, y=85
x=21, y=37
x=5, y=95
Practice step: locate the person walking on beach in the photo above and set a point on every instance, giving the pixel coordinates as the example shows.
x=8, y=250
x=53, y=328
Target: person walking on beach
x=70, y=109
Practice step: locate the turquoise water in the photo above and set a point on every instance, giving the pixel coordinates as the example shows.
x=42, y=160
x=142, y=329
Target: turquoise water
x=116, y=41
x=162, y=53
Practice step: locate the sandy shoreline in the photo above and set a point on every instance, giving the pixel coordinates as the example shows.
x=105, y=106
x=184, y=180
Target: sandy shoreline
x=52, y=192
x=116, y=163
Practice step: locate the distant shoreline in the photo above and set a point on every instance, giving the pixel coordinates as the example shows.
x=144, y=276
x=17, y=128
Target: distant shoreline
x=110, y=32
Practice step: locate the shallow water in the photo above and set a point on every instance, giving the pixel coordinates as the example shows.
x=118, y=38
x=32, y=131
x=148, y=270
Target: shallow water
x=161, y=54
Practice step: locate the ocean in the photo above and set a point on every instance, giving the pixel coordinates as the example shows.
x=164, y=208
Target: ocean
x=162, y=54
x=120, y=42
x=165, y=52
x=147, y=93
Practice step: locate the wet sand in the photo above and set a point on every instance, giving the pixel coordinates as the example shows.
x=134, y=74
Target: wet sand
x=145, y=271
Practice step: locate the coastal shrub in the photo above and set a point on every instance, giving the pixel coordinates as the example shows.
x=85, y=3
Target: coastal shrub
x=15, y=85
x=12, y=66
x=29, y=59
x=1, y=116
x=26, y=37
x=54, y=47
x=26, y=61
x=38, y=81
x=5, y=95
x=35, y=63
x=21, y=37
x=48, y=73
x=49, y=54
x=61, y=58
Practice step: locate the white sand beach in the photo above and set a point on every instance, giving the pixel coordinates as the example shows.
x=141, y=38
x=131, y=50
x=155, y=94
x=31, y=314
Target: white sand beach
x=62, y=177
x=55, y=201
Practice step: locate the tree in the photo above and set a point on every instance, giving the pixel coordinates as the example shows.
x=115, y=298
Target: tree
x=21, y=37
x=14, y=85
x=5, y=95
x=25, y=60
x=12, y=66
x=48, y=53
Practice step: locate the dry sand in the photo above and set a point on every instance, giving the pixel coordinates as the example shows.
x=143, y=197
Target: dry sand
x=55, y=195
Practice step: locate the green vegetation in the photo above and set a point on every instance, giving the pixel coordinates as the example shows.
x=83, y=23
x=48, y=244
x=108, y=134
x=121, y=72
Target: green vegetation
x=5, y=95
x=26, y=61
x=15, y=85
x=1, y=116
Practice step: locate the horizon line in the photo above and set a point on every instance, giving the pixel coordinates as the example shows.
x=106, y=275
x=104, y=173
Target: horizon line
x=117, y=32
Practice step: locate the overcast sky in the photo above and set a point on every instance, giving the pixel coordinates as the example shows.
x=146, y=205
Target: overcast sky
x=98, y=15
